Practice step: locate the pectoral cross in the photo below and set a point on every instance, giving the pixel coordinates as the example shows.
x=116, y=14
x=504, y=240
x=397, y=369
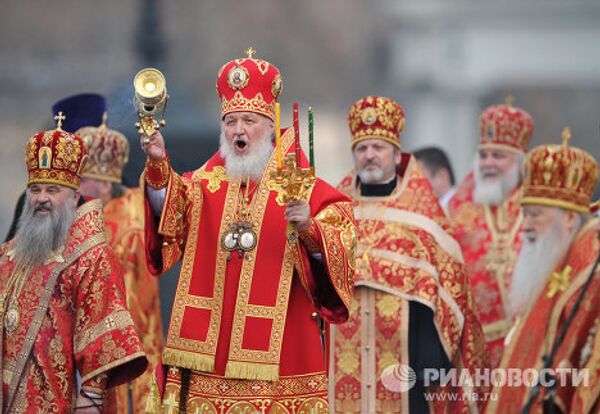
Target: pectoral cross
x=59, y=118
x=559, y=282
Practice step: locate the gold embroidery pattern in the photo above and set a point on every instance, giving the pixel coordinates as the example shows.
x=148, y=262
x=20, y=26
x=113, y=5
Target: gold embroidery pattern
x=54, y=177
x=88, y=221
x=174, y=208
x=560, y=176
x=310, y=237
x=376, y=117
x=213, y=394
x=340, y=246
x=116, y=321
x=214, y=177
x=184, y=299
x=240, y=102
x=31, y=154
x=157, y=173
x=68, y=152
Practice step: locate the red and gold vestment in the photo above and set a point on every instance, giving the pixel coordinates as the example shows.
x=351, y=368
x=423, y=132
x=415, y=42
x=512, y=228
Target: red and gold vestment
x=405, y=253
x=534, y=333
x=245, y=325
x=72, y=316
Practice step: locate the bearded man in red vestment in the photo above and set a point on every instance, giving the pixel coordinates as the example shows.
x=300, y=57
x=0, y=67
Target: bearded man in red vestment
x=245, y=330
x=412, y=303
x=552, y=274
x=62, y=301
x=101, y=178
x=485, y=212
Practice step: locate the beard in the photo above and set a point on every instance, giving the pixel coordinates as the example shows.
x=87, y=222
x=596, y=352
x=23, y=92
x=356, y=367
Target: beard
x=371, y=176
x=536, y=262
x=37, y=235
x=491, y=191
x=251, y=165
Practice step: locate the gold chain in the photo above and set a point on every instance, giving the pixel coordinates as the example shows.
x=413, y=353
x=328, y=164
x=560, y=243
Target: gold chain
x=502, y=256
x=244, y=205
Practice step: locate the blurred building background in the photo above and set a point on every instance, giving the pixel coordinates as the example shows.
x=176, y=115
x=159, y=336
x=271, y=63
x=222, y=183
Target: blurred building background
x=443, y=60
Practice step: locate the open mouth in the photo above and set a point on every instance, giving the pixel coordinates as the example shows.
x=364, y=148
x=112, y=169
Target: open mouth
x=240, y=144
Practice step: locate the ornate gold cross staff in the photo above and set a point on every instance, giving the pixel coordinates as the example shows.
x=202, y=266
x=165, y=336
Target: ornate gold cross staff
x=294, y=181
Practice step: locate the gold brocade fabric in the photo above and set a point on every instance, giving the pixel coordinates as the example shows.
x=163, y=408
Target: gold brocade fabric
x=213, y=394
x=124, y=218
x=85, y=328
x=405, y=253
x=375, y=337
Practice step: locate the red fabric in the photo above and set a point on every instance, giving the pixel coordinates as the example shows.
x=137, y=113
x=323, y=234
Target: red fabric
x=248, y=84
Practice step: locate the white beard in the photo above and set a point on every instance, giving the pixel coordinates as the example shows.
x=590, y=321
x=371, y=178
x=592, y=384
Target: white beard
x=491, y=192
x=250, y=165
x=38, y=236
x=536, y=262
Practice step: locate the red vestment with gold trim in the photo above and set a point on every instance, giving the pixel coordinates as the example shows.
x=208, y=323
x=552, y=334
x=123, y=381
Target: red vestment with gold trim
x=86, y=325
x=490, y=240
x=534, y=333
x=405, y=253
x=244, y=324
x=124, y=224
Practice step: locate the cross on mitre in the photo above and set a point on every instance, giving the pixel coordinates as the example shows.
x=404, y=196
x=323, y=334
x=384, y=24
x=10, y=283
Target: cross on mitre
x=566, y=136
x=59, y=118
x=250, y=52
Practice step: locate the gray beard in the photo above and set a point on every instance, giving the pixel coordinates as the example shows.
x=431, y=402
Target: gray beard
x=535, y=264
x=493, y=192
x=38, y=236
x=370, y=176
x=250, y=165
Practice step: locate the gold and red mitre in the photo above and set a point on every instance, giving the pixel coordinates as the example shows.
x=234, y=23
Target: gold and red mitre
x=505, y=127
x=560, y=176
x=108, y=153
x=376, y=117
x=55, y=157
x=249, y=84
x=108, y=150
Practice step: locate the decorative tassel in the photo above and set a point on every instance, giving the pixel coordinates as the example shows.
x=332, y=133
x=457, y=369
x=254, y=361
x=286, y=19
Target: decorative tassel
x=252, y=371
x=190, y=360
